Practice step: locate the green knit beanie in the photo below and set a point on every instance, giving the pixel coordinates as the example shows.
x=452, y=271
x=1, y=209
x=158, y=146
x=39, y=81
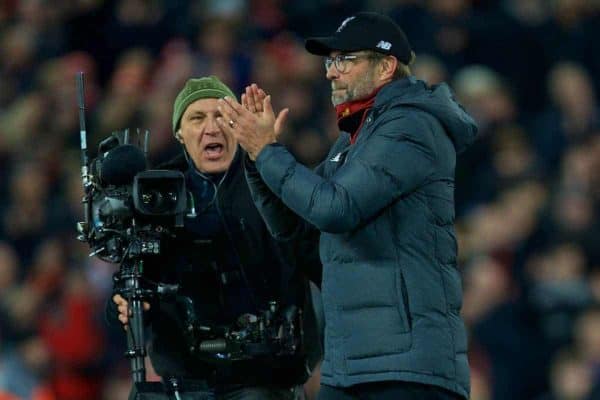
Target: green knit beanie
x=208, y=87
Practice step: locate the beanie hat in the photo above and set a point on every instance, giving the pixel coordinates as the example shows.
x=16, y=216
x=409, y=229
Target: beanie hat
x=208, y=87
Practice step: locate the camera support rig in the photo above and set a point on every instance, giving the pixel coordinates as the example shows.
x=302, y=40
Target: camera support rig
x=130, y=269
x=128, y=280
x=121, y=229
x=135, y=295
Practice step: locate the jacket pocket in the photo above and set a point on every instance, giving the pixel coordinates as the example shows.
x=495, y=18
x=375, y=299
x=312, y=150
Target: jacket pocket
x=374, y=332
x=403, y=301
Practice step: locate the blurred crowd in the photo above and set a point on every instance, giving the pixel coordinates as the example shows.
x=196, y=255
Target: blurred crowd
x=528, y=192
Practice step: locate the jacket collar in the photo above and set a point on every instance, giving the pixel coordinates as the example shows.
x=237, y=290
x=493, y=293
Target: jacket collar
x=393, y=89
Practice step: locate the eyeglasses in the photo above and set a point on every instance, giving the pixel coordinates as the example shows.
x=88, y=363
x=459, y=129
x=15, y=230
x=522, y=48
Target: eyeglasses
x=342, y=62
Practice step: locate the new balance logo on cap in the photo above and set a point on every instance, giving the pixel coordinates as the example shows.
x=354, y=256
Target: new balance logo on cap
x=384, y=45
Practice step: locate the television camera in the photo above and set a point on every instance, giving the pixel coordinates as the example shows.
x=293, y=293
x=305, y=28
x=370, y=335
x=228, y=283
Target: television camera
x=128, y=210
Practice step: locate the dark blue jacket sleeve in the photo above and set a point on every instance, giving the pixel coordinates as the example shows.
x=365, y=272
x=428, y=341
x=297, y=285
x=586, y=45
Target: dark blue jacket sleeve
x=283, y=224
x=397, y=158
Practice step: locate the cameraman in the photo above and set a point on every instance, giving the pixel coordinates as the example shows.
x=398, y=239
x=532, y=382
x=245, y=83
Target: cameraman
x=225, y=263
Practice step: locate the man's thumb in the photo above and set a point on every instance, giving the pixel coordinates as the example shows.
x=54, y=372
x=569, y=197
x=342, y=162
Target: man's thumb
x=280, y=121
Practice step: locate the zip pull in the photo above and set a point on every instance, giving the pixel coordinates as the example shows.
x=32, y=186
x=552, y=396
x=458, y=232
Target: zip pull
x=192, y=206
x=243, y=224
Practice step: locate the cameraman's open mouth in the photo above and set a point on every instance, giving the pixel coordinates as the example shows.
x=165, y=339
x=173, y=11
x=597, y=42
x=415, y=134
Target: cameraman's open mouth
x=214, y=150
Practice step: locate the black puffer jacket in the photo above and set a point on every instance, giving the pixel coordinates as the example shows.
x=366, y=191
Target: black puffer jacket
x=385, y=207
x=269, y=271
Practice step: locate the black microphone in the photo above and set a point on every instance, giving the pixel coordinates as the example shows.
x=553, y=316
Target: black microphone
x=122, y=164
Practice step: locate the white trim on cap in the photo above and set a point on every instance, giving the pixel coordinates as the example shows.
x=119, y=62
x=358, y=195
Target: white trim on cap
x=344, y=22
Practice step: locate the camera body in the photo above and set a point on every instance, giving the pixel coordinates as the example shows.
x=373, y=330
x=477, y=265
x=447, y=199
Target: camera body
x=129, y=207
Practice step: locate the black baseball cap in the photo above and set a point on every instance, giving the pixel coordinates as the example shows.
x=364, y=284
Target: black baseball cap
x=364, y=31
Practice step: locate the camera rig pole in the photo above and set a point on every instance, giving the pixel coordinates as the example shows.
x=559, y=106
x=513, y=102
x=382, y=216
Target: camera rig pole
x=130, y=274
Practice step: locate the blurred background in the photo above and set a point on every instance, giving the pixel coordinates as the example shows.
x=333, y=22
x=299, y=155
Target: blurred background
x=527, y=198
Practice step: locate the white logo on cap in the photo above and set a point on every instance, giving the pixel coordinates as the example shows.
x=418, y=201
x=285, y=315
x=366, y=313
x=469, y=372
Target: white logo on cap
x=384, y=45
x=344, y=24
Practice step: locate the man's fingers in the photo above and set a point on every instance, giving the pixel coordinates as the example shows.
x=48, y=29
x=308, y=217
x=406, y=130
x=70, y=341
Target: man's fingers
x=235, y=106
x=245, y=101
x=251, y=102
x=254, y=99
x=226, y=107
x=259, y=96
x=234, y=117
x=228, y=112
x=257, y=99
x=123, y=308
x=227, y=115
x=124, y=320
x=224, y=123
x=267, y=104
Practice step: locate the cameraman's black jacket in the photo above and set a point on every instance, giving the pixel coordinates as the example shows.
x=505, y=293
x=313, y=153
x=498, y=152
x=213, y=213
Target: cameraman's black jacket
x=238, y=271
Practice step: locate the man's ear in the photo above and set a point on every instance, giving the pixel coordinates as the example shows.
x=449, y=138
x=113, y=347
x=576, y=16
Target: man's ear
x=178, y=136
x=387, y=67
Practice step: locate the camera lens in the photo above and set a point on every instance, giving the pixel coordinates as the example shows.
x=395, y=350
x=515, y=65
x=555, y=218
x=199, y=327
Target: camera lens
x=159, y=193
x=156, y=201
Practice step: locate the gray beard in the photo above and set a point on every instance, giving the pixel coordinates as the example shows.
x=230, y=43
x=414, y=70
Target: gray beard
x=363, y=87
